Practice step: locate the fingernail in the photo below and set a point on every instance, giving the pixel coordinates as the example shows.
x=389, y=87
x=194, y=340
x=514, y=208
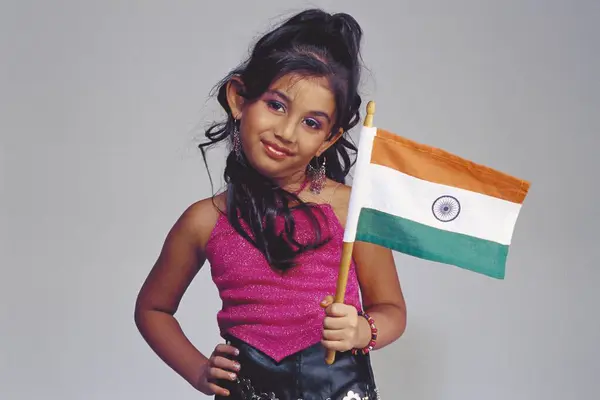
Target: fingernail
x=238, y=366
x=232, y=376
x=236, y=352
x=226, y=392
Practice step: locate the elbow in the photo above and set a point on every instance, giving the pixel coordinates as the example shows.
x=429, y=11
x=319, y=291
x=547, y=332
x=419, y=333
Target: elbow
x=144, y=318
x=139, y=314
x=145, y=310
x=139, y=308
x=142, y=310
x=401, y=320
x=402, y=327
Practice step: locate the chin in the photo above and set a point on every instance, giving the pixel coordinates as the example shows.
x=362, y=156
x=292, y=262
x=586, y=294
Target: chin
x=272, y=169
x=265, y=166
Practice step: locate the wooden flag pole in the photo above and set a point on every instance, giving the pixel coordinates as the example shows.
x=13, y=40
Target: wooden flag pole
x=347, y=248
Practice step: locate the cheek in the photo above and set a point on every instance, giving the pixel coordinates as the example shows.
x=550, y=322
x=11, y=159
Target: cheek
x=253, y=121
x=311, y=146
x=250, y=136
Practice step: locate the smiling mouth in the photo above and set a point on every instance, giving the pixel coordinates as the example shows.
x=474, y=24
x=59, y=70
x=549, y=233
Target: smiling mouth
x=276, y=151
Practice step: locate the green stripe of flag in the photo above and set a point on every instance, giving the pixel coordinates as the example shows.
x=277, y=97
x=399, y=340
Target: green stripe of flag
x=415, y=239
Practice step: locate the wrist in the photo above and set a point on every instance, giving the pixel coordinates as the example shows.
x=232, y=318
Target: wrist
x=363, y=337
x=367, y=334
x=199, y=372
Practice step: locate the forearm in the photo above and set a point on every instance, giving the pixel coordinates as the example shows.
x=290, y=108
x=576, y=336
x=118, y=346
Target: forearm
x=164, y=335
x=390, y=321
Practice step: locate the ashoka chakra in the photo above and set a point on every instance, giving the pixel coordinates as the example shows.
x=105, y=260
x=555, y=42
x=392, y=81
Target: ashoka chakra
x=446, y=208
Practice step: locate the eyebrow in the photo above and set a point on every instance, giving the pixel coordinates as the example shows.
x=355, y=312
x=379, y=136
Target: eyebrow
x=288, y=100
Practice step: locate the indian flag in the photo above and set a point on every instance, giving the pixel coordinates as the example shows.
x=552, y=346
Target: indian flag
x=428, y=203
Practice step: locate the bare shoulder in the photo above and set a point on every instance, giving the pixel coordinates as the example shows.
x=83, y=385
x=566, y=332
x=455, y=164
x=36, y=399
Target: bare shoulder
x=199, y=218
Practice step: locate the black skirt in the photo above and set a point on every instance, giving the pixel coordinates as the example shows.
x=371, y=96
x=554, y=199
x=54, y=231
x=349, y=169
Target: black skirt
x=301, y=376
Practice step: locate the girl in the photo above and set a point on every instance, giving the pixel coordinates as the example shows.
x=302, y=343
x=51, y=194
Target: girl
x=273, y=238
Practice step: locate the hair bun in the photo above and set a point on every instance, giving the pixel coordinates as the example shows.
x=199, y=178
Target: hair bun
x=340, y=33
x=349, y=29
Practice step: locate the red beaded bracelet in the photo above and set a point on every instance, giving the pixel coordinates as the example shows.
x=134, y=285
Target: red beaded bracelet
x=373, y=341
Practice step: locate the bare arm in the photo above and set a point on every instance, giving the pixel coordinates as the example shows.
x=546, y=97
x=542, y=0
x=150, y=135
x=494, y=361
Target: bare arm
x=158, y=300
x=382, y=296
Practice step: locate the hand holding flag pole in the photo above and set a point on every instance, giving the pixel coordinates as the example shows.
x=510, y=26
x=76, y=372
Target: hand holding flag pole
x=348, y=245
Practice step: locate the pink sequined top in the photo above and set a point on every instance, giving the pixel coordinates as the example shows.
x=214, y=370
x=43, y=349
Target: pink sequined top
x=278, y=314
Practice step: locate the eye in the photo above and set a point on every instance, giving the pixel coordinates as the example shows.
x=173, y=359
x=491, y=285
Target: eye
x=312, y=123
x=275, y=105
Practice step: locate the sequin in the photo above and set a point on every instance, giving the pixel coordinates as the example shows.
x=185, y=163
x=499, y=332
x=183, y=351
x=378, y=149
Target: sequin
x=352, y=396
x=279, y=314
x=248, y=392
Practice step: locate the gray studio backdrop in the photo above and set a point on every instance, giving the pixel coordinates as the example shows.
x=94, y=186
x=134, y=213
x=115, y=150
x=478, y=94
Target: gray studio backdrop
x=102, y=105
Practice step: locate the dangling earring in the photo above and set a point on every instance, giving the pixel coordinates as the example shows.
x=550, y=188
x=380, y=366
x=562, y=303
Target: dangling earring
x=317, y=177
x=237, y=141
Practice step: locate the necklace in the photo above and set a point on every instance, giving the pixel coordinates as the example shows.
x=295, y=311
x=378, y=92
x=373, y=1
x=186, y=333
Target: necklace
x=302, y=187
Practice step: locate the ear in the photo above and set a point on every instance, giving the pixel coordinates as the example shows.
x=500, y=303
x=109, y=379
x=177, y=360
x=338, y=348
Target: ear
x=234, y=99
x=330, y=142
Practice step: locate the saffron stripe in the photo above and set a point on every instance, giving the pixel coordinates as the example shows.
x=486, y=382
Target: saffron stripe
x=439, y=166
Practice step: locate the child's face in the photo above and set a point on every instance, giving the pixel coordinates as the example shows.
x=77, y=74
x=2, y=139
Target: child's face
x=287, y=126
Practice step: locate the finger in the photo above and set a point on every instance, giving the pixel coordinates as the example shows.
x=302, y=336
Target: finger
x=327, y=301
x=218, y=390
x=226, y=349
x=215, y=373
x=334, y=323
x=225, y=363
x=337, y=310
x=334, y=335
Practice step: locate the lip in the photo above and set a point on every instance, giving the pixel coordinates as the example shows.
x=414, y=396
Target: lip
x=275, y=151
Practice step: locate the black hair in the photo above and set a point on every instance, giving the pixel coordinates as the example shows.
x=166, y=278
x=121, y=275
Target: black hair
x=312, y=43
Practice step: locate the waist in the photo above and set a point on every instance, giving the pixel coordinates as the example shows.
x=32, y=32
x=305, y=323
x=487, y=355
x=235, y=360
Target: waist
x=301, y=375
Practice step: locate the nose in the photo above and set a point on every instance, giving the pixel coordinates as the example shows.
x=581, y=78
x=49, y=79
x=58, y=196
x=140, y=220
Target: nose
x=286, y=132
